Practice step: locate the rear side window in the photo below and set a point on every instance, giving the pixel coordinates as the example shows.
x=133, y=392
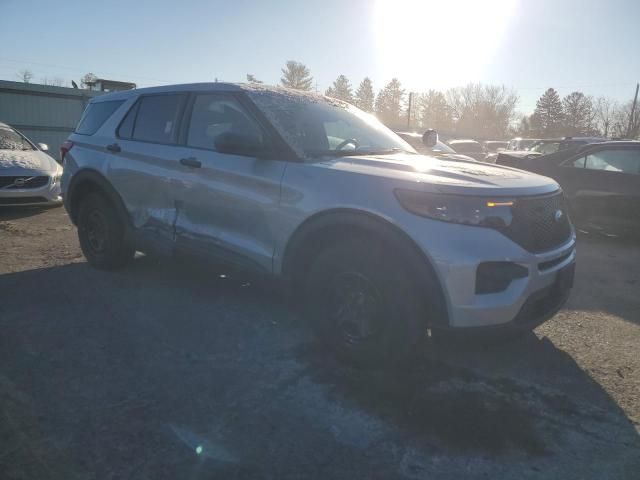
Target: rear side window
x=157, y=118
x=125, y=130
x=95, y=115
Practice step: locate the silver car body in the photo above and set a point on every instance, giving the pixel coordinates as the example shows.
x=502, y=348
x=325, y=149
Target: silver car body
x=28, y=177
x=248, y=209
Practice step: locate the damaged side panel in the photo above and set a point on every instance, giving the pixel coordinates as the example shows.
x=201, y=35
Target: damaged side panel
x=144, y=175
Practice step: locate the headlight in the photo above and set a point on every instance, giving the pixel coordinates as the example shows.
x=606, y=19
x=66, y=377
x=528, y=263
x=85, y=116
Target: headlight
x=467, y=210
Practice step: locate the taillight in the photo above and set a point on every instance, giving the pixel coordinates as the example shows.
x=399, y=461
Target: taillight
x=64, y=148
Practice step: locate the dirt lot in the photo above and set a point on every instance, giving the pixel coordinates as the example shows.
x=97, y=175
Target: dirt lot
x=166, y=370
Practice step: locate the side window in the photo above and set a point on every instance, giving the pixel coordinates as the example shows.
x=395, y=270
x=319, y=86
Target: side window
x=339, y=131
x=95, y=115
x=214, y=114
x=157, y=118
x=577, y=163
x=623, y=161
x=125, y=130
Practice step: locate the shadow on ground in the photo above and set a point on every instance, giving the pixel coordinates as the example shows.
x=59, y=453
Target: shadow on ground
x=14, y=213
x=126, y=374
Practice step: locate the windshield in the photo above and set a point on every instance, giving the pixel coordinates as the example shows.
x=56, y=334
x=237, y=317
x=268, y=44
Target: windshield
x=494, y=146
x=442, y=148
x=316, y=126
x=545, y=147
x=12, y=140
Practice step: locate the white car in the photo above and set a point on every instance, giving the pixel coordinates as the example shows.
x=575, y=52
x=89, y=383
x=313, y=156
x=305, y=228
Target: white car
x=28, y=176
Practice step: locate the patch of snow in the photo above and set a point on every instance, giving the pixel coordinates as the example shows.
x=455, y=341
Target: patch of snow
x=281, y=107
x=19, y=159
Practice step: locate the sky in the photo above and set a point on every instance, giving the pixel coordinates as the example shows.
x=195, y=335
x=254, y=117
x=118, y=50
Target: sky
x=528, y=45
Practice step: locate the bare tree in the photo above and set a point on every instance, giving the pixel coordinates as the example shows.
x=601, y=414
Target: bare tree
x=578, y=114
x=25, y=75
x=88, y=80
x=482, y=111
x=604, y=110
x=621, y=118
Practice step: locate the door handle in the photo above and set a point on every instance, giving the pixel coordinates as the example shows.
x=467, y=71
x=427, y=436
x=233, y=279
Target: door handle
x=191, y=162
x=114, y=147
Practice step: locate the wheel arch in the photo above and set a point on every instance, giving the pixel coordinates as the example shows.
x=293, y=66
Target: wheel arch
x=322, y=228
x=87, y=181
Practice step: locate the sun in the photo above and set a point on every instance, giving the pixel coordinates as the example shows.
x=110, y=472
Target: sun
x=439, y=44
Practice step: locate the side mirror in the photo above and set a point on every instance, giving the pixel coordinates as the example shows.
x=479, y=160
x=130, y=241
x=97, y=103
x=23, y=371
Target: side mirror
x=430, y=138
x=236, y=143
x=44, y=147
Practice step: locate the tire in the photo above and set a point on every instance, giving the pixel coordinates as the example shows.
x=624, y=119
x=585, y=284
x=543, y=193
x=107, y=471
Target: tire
x=101, y=232
x=364, y=305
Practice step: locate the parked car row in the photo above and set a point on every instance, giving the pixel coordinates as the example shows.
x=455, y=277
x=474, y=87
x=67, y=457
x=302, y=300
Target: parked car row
x=381, y=243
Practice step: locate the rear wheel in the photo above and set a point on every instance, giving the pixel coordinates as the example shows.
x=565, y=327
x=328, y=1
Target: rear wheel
x=364, y=305
x=101, y=233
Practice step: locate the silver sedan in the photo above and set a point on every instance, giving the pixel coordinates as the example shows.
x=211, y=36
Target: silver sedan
x=28, y=176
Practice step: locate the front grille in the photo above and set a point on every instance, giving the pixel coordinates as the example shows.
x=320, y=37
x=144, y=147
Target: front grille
x=24, y=181
x=536, y=226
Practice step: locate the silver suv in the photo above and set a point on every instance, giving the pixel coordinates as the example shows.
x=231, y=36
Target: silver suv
x=383, y=245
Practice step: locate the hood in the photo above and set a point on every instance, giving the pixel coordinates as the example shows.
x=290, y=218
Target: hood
x=30, y=162
x=446, y=176
x=455, y=156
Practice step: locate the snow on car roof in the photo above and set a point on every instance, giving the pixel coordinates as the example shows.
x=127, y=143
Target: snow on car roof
x=256, y=88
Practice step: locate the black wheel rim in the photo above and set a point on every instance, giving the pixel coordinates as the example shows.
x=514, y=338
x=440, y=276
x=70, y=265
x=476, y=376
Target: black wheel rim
x=96, y=230
x=355, y=308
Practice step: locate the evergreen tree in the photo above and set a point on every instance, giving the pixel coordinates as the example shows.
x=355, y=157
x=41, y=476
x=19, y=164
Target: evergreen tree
x=341, y=89
x=434, y=112
x=296, y=75
x=547, y=117
x=389, y=103
x=252, y=79
x=365, y=97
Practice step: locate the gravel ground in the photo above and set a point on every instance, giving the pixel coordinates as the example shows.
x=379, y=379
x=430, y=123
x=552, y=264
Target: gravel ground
x=168, y=370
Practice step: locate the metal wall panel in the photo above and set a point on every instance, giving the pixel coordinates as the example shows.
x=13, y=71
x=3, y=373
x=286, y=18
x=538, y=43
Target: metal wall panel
x=44, y=113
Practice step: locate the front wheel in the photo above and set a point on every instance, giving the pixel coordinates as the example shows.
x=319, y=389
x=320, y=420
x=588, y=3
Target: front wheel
x=101, y=233
x=364, y=305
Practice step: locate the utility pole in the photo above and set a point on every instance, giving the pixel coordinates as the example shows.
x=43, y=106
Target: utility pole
x=409, y=110
x=633, y=111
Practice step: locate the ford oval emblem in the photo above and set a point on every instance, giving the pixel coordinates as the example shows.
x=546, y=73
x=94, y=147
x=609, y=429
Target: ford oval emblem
x=558, y=215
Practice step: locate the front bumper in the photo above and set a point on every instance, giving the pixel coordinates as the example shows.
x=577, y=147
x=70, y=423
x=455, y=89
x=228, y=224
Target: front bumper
x=49, y=194
x=456, y=251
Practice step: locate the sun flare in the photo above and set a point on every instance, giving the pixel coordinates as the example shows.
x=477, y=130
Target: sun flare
x=439, y=44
